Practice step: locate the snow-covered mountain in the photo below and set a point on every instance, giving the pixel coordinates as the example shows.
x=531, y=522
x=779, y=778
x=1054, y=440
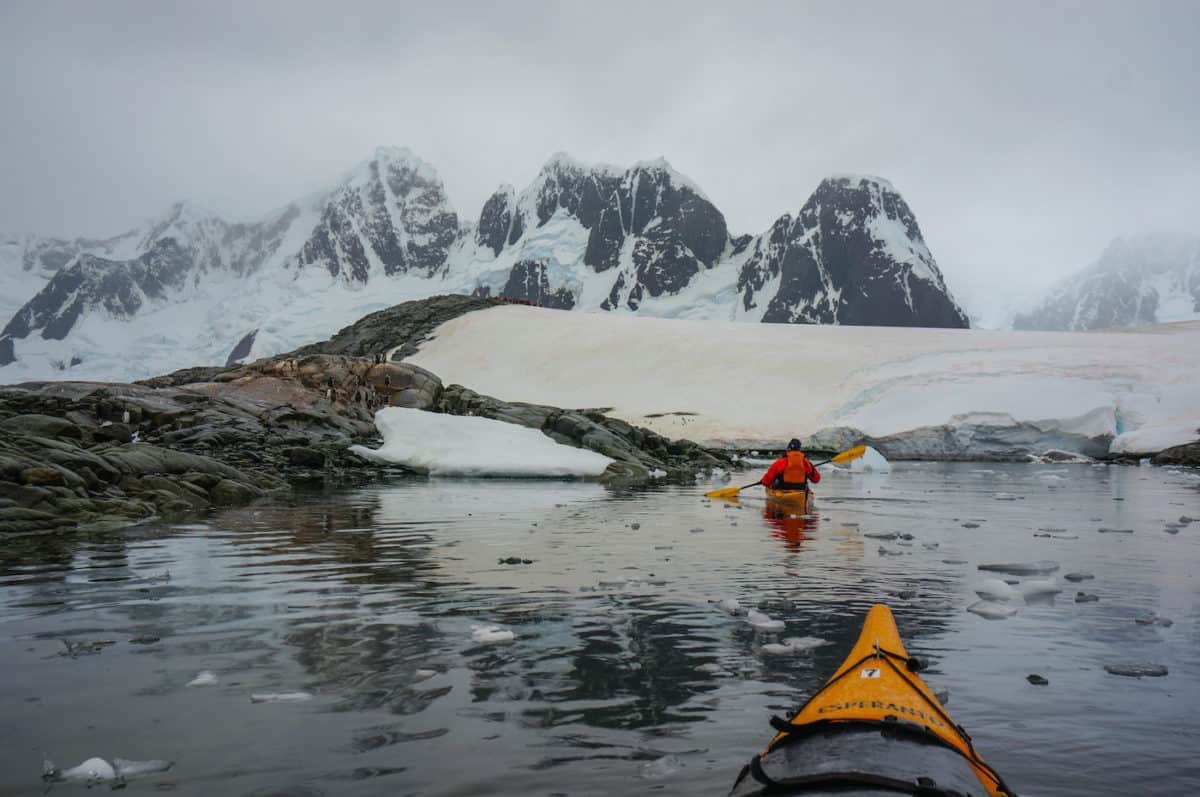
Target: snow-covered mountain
x=853, y=255
x=193, y=288
x=1143, y=279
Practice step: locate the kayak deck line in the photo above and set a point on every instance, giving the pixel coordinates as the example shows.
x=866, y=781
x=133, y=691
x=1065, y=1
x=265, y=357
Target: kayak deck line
x=882, y=730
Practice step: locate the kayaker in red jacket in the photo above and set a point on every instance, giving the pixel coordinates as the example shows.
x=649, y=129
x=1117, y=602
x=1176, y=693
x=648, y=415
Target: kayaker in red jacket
x=792, y=471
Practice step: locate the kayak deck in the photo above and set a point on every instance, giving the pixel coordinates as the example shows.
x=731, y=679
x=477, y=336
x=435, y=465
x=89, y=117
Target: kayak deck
x=873, y=728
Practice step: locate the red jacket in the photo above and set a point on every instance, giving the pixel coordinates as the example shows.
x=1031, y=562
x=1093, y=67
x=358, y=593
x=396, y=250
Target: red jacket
x=780, y=465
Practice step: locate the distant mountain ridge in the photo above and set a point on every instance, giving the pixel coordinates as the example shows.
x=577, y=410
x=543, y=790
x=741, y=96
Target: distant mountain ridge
x=1141, y=279
x=642, y=239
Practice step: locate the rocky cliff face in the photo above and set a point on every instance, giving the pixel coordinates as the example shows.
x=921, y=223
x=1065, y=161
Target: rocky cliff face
x=390, y=217
x=595, y=237
x=853, y=255
x=1143, y=279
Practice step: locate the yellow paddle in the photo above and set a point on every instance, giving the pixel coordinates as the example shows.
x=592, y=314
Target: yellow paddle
x=846, y=456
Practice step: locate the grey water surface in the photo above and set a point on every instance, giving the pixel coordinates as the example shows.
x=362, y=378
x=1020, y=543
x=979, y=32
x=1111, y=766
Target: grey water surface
x=360, y=620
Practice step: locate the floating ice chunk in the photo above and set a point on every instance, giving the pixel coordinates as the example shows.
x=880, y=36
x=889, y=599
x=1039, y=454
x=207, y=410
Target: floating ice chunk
x=425, y=674
x=661, y=767
x=764, y=622
x=993, y=589
x=280, y=697
x=127, y=770
x=730, y=606
x=93, y=770
x=871, y=462
x=802, y=644
x=486, y=634
x=1040, y=586
x=97, y=770
x=204, y=678
x=992, y=610
x=1023, y=568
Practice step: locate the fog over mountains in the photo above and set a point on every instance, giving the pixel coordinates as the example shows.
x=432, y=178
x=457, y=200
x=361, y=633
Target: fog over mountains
x=187, y=288
x=1140, y=279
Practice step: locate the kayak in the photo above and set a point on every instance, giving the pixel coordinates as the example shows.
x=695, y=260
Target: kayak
x=874, y=729
x=800, y=501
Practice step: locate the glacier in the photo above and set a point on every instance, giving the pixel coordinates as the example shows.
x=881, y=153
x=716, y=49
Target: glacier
x=915, y=392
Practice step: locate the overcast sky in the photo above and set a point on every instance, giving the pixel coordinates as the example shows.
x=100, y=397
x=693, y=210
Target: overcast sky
x=1025, y=135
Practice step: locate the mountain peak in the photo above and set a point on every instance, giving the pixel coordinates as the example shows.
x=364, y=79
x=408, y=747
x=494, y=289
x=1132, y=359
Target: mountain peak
x=858, y=182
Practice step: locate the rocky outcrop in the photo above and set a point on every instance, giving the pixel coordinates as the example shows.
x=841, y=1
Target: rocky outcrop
x=401, y=327
x=638, y=452
x=242, y=350
x=81, y=453
x=1187, y=454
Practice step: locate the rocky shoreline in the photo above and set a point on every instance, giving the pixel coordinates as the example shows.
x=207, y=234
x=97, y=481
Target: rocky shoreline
x=78, y=454
x=82, y=454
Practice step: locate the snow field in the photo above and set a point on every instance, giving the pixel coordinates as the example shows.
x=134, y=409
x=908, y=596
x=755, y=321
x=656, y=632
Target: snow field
x=767, y=383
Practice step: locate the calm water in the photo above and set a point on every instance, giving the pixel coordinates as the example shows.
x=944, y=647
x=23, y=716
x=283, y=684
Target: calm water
x=624, y=676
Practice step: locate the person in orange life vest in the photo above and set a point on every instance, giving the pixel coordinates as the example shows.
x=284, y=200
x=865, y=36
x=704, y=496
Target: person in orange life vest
x=792, y=471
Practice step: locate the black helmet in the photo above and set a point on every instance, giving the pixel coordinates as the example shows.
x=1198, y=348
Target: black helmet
x=794, y=444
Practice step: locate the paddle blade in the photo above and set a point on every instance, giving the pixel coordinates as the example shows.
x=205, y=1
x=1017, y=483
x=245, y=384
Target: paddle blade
x=726, y=492
x=850, y=454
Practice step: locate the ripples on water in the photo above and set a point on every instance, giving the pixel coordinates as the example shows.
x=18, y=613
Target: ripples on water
x=624, y=675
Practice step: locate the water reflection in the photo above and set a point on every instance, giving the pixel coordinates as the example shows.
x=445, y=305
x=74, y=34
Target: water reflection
x=625, y=674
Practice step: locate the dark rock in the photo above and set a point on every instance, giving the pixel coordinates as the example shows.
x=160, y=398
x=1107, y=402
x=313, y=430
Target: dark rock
x=184, y=376
x=528, y=282
x=20, y=520
x=1137, y=670
x=1084, y=597
x=1078, y=576
x=40, y=426
x=404, y=327
x=242, y=349
x=304, y=457
x=232, y=493
x=7, y=354
x=42, y=476
x=1036, y=680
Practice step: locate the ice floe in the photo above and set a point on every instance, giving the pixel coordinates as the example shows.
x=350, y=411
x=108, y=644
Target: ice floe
x=488, y=634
